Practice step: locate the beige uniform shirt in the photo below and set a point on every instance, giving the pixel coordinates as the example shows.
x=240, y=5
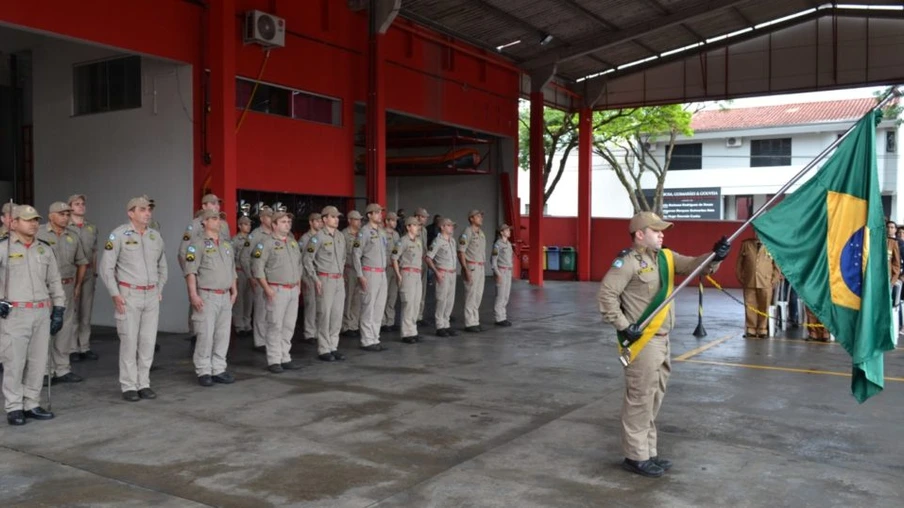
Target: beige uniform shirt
x=133, y=258
x=87, y=235
x=302, y=244
x=392, y=239
x=633, y=280
x=33, y=272
x=325, y=253
x=370, y=249
x=502, y=254
x=442, y=252
x=196, y=230
x=474, y=245
x=66, y=247
x=212, y=262
x=256, y=236
x=755, y=267
x=425, y=244
x=239, y=243
x=409, y=253
x=277, y=260
x=350, y=238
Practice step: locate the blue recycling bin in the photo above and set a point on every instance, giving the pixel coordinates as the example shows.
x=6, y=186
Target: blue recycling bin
x=552, y=258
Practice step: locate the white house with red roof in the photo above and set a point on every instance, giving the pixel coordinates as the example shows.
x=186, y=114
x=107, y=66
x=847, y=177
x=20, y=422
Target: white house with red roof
x=739, y=157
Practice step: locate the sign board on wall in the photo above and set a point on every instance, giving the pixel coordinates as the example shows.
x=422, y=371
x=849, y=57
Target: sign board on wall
x=692, y=203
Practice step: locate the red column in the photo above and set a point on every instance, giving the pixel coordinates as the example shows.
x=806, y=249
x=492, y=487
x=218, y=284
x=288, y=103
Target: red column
x=376, y=117
x=585, y=127
x=223, y=169
x=536, y=188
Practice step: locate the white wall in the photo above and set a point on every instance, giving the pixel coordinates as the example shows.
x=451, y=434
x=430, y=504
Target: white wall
x=112, y=157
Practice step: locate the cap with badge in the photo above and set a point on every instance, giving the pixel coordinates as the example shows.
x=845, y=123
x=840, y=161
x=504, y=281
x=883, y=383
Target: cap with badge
x=281, y=214
x=59, y=207
x=504, y=227
x=445, y=221
x=76, y=197
x=210, y=198
x=421, y=212
x=314, y=216
x=474, y=212
x=391, y=216
x=373, y=207
x=354, y=214
x=208, y=214
x=412, y=221
x=8, y=207
x=26, y=212
x=650, y=220
x=137, y=202
x=244, y=219
x=330, y=211
x=265, y=211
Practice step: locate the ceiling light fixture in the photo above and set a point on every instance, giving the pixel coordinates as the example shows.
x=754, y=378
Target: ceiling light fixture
x=500, y=48
x=546, y=40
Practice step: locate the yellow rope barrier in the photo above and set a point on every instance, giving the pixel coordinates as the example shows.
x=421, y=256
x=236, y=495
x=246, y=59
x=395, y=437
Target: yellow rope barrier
x=754, y=309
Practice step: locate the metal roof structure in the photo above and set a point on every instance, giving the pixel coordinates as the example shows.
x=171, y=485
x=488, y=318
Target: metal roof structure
x=573, y=42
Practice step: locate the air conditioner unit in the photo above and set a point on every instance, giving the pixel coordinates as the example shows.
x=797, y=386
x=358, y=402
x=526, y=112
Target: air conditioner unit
x=650, y=147
x=264, y=29
x=734, y=142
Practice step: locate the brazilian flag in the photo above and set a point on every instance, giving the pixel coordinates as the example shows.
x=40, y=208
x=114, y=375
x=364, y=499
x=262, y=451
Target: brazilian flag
x=828, y=238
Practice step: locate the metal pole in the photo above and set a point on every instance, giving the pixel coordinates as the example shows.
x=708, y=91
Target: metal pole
x=894, y=92
x=700, y=331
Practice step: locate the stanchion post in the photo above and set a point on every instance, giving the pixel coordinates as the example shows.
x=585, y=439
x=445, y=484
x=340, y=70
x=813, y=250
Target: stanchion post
x=700, y=331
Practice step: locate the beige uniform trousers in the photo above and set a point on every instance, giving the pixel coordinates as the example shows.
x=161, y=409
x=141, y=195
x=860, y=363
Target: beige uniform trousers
x=760, y=299
x=84, y=310
x=213, y=332
x=244, y=302
x=282, y=313
x=503, y=290
x=474, y=293
x=445, y=298
x=352, y=311
x=392, y=295
x=24, y=339
x=259, y=317
x=373, y=303
x=645, y=382
x=330, y=303
x=410, y=294
x=137, y=330
x=420, y=308
x=64, y=340
x=310, y=309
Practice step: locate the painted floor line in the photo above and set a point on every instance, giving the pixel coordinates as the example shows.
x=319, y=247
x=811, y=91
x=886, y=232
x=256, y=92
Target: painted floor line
x=784, y=369
x=694, y=352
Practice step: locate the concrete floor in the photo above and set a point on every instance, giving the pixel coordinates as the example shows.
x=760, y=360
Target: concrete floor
x=519, y=417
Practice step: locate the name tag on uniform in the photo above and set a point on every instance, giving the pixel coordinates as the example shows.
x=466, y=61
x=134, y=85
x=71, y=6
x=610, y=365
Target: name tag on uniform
x=645, y=270
x=131, y=242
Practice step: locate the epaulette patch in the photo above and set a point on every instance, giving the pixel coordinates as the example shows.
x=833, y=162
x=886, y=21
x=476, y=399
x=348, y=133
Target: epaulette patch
x=186, y=237
x=108, y=245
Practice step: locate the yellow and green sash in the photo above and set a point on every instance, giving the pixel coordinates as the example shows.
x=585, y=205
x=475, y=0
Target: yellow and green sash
x=667, y=283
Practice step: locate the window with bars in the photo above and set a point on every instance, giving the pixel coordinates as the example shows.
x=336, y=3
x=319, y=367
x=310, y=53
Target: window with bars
x=107, y=85
x=687, y=156
x=770, y=152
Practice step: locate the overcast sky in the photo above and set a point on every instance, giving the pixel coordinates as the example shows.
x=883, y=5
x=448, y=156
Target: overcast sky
x=774, y=100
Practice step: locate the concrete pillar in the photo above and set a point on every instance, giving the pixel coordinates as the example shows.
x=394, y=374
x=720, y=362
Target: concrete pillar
x=223, y=170
x=539, y=78
x=381, y=15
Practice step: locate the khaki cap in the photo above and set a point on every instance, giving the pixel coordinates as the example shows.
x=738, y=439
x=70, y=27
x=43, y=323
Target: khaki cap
x=354, y=214
x=445, y=220
x=210, y=198
x=280, y=215
x=136, y=202
x=330, y=211
x=75, y=197
x=504, y=227
x=474, y=212
x=373, y=207
x=422, y=212
x=265, y=211
x=391, y=216
x=314, y=216
x=208, y=214
x=650, y=220
x=244, y=220
x=26, y=212
x=59, y=206
x=8, y=207
x=412, y=221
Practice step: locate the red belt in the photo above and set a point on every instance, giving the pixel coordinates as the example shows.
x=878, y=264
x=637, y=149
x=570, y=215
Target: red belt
x=444, y=270
x=373, y=269
x=287, y=286
x=69, y=280
x=215, y=291
x=330, y=275
x=30, y=305
x=475, y=263
x=140, y=288
x=239, y=270
x=503, y=267
x=415, y=270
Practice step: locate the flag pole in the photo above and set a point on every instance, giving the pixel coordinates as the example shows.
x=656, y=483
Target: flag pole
x=892, y=94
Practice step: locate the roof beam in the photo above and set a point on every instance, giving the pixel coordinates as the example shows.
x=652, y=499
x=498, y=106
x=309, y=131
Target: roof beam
x=630, y=33
x=509, y=17
x=590, y=14
x=743, y=17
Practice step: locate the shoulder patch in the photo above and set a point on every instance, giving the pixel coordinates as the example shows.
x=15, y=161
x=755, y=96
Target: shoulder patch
x=191, y=248
x=112, y=236
x=356, y=244
x=624, y=252
x=314, y=239
x=618, y=263
x=45, y=242
x=186, y=237
x=311, y=249
x=496, y=252
x=108, y=245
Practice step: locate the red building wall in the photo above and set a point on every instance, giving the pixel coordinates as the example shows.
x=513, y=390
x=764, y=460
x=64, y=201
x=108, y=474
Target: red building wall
x=610, y=236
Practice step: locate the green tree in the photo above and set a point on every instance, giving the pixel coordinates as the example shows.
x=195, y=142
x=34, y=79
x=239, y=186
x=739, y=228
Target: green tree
x=625, y=142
